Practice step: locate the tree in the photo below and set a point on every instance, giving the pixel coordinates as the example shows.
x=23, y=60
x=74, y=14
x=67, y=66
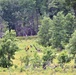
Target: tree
x=70, y=26
x=44, y=30
x=56, y=6
x=56, y=30
x=2, y=27
x=7, y=51
x=72, y=3
x=71, y=46
x=21, y=15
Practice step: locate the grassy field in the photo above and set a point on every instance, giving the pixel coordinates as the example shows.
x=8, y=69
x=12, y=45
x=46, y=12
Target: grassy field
x=19, y=69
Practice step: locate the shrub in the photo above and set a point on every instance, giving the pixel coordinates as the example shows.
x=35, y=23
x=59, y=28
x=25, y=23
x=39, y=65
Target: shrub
x=63, y=58
x=7, y=51
x=48, y=55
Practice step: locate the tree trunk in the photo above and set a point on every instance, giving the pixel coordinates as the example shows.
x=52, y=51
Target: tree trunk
x=37, y=20
x=9, y=27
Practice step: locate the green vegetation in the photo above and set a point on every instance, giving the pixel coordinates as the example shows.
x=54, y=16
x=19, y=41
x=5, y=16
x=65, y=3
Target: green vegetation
x=64, y=58
x=7, y=51
x=37, y=37
x=72, y=44
x=57, y=32
x=31, y=62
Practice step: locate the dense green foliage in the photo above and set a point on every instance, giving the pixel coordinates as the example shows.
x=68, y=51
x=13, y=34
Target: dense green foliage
x=57, y=32
x=64, y=58
x=72, y=44
x=7, y=51
x=72, y=3
x=53, y=20
x=49, y=55
x=44, y=29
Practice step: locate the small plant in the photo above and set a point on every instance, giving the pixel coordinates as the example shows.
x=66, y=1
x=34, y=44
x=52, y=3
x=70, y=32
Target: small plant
x=63, y=58
x=22, y=69
x=25, y=60
x=58, y=69
x=36, y=61
x=48, y=57
x=15, y=66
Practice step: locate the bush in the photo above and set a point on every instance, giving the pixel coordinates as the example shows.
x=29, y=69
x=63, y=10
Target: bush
x=22, y=69
x=12, y=33
x=63, y=58
x=36, y=61
x=48, y=55
x=7, y=51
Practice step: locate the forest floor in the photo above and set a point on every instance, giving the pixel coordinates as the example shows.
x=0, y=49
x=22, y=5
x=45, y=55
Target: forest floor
x=17, y=69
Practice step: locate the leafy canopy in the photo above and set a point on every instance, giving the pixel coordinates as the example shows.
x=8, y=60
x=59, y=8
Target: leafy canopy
x=7, y=51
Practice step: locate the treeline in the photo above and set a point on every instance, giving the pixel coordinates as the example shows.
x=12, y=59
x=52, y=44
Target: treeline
x=53, y=20
x=25, y=16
